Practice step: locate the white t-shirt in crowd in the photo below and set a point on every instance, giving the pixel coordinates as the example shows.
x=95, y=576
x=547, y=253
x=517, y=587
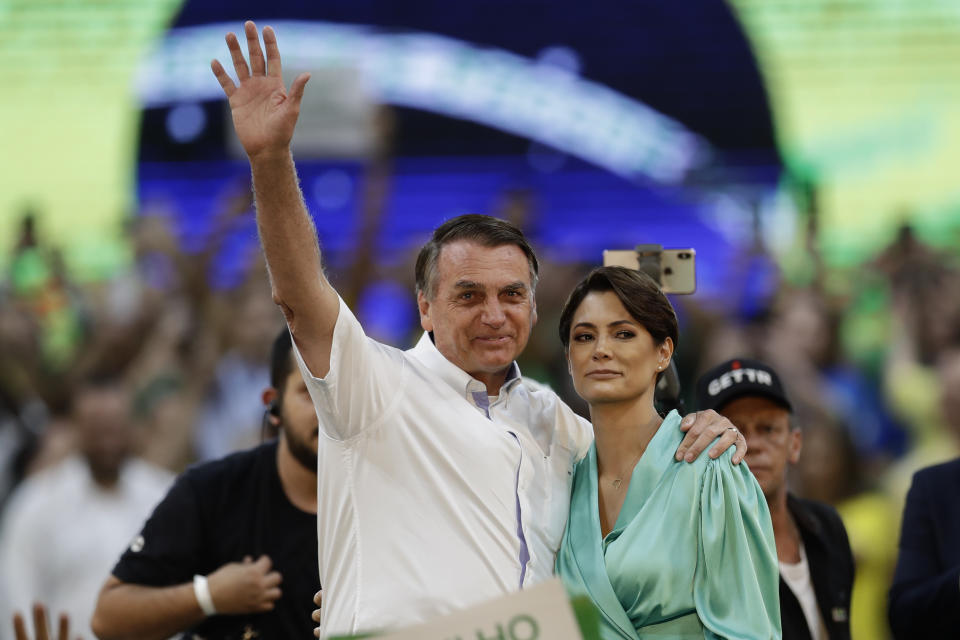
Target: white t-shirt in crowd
x=431, y=497
x=62, y=533
x=797, y=577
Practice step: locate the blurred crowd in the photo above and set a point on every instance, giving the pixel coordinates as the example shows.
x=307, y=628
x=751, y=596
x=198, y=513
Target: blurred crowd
x=870, y=355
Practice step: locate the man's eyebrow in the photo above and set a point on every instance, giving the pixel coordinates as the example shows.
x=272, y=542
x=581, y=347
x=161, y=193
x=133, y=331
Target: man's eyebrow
x=467, y=284
x=515, y=286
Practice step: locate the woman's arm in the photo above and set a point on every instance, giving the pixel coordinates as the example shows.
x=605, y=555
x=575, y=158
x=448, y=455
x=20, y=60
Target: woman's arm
x=736, y=584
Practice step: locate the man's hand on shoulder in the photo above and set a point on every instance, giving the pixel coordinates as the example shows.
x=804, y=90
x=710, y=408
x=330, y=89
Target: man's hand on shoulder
x=245, y=587
x=702, y=428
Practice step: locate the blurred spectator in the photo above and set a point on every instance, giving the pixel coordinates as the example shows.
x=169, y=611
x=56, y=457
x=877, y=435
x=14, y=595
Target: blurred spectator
x=230, y=414
x=63, y=527
x=816, y=564
x=803, y=343
x=925, y=597
x=39, y=284
x=216, y=519
x=41, y=627
x=928, y=398
x=831, y=471
x=925, y=287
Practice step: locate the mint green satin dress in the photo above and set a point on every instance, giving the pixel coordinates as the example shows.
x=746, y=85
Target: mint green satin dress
x=691, y=556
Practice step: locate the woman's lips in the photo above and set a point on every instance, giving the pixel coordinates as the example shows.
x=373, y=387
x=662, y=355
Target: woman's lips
x=603, y=374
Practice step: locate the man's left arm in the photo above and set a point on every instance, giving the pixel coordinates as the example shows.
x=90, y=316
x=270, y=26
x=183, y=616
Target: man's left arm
x=702, y=428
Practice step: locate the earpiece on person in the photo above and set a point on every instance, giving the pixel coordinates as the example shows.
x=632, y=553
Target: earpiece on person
x=274, y=408
x=271, y=420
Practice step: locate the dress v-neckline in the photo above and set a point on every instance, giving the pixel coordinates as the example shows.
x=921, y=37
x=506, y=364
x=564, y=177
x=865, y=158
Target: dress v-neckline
x=590, y=554
x=643, y=479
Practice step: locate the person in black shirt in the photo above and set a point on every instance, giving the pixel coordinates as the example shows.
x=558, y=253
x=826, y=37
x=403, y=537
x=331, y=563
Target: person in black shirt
x=816, y=564
x=231, y=551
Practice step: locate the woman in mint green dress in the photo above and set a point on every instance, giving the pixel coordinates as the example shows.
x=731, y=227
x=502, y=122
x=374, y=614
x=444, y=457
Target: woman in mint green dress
x=665, y=549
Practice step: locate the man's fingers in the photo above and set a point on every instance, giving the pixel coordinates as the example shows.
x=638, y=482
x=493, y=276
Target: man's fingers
x=296, y=89
x=687, y=424
x=257, y=65
x=272, y=579
x=741, y=451
x=318, y=598
x=20, y=629
x=316, y=615
x=316, y=633
x=727, y=438
x=239, y=63
x=63, y=627
x=226, y=82
x=263, y=563
x=272, y=594
x=40, y=628
x=699, y=445
x=273, y=53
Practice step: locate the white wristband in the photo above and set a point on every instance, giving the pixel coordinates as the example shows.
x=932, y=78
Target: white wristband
x=202, y=591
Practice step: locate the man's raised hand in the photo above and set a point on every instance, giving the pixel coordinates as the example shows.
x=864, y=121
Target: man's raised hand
x=264, y=113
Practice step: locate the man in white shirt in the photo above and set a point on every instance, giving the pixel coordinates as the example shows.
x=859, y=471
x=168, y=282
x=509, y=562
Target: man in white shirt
x=443, y=478
x=62, y=527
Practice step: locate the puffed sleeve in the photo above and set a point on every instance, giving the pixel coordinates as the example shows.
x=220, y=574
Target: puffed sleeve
x=736, y=583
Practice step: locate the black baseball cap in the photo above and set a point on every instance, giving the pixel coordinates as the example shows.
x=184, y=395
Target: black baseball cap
x=739, y=377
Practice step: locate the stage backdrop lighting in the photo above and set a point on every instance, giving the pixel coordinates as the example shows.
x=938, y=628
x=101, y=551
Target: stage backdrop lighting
x=70, y=119
x=866, y=104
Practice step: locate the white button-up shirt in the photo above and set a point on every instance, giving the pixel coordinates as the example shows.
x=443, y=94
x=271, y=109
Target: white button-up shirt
x=432, y=496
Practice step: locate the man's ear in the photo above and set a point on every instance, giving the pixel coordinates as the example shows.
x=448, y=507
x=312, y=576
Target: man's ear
x=794, y=446
x=533, y=315
x=270, y=397
x=424, y=306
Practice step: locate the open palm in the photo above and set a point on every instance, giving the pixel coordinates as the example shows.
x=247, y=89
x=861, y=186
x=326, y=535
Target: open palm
x=41, y=626
x=264, y=113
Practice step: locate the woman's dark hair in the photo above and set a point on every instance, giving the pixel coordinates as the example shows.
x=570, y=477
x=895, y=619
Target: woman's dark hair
x=485, y=231
x=638, y=292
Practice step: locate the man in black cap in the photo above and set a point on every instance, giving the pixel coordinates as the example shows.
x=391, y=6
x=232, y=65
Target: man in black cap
x=816, y=565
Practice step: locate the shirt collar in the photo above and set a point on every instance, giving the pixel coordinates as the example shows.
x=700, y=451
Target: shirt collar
x=462, y=382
